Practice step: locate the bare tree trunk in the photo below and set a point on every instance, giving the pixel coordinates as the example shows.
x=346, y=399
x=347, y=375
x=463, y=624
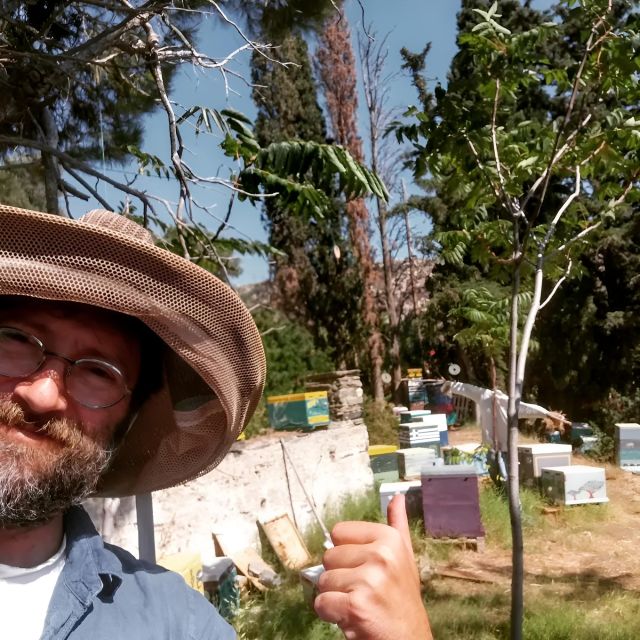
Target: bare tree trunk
x=513, y=486
x=467, y=366
x=358, y=230
x=49, y=162
x=373, y=62
x=411, y=275
x=392, y=311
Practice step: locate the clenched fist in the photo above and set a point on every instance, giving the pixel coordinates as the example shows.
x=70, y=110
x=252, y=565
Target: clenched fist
x=370, y=587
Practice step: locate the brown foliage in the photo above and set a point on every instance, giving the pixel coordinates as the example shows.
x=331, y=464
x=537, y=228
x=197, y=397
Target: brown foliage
x=336, y=66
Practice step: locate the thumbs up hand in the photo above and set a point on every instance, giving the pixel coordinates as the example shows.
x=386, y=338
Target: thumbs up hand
x=370, y=587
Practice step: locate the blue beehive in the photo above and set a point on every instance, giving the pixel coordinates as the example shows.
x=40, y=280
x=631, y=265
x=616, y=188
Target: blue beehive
x=299, y=410
x=627, y=444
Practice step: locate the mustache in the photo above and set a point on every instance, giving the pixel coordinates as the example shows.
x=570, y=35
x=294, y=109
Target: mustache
x=63, y=430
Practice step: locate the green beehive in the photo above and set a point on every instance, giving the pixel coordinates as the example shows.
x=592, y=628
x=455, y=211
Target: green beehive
x=299, y=410
x=384, y=462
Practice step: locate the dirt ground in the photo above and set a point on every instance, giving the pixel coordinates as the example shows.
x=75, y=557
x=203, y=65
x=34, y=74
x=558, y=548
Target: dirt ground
x=573, y=548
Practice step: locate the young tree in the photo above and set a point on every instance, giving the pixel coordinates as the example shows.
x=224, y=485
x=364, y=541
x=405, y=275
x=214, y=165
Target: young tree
x=521, y=183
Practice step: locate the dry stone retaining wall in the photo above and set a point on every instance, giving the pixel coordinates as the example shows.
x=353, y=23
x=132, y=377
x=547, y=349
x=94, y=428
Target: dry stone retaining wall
x=344, y=392
x=251, y=483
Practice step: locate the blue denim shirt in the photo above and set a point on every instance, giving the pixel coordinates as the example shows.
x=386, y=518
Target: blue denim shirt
x=104, y=593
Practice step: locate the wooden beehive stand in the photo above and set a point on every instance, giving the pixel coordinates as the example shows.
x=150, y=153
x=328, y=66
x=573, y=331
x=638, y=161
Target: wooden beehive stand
x=475, y=544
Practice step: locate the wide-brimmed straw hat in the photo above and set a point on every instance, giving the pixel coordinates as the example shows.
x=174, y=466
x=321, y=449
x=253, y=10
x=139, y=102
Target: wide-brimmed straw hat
x=215, y=368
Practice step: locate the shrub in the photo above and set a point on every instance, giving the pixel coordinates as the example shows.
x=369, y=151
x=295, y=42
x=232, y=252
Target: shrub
x=382, y=425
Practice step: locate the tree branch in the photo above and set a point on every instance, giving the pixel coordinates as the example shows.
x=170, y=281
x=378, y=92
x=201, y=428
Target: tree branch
x=556, y=286
x=70, y=161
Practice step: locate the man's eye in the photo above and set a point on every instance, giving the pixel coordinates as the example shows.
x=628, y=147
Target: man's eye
x=96, y=371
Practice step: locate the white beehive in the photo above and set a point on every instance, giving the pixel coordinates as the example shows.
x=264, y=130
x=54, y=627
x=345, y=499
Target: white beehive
x=412, y=490
x=416, y=435
x=412, y=462
x=574, y=484
x=532, y=458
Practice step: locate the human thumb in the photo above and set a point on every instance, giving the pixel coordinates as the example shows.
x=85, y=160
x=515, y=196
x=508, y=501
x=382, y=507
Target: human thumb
x=397, y=518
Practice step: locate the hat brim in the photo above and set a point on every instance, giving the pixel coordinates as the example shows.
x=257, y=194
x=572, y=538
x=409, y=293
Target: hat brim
x=214, y=371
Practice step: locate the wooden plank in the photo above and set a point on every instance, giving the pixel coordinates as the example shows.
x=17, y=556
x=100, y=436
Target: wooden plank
x=242, y=558
x=463, y=575
x=286, y=541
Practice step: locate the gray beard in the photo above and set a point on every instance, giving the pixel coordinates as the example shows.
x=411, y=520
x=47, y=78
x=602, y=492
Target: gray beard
x=36, y=483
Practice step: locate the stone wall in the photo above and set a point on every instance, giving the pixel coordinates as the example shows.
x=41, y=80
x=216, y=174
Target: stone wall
x=344, y=391
x=251, y=483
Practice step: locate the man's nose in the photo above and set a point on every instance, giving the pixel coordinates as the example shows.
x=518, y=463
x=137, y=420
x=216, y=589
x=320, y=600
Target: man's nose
x=43, y=391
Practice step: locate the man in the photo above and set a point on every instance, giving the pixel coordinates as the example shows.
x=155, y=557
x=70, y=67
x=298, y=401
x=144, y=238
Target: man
x=126, y=369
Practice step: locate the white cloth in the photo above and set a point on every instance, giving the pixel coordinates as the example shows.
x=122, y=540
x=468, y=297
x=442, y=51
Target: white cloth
x=25, y=595
x=484, y=399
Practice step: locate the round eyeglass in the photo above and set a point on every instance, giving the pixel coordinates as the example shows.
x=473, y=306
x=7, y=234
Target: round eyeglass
x=92, y=382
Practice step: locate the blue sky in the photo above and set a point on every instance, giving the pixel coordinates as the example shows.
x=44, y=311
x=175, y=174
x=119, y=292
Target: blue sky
x=409, y=23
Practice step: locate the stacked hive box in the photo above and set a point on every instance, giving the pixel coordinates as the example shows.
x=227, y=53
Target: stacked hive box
x=627, y=444
x=535, y=457
x=413, y=462
x=416, y=415
x=423, y=431
x=574, y=484
x=414, y=393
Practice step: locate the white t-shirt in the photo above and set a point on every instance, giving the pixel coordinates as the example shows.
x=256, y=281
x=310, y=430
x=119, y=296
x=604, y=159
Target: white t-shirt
x=25, y=595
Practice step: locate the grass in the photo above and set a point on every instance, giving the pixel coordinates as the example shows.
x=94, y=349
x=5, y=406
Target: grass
x=605, y=615
x=495, y=514
x=363, y=507
x=282, y=614
x=569, y=607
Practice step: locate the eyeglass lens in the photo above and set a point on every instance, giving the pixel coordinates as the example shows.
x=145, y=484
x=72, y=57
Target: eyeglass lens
x=91, y=382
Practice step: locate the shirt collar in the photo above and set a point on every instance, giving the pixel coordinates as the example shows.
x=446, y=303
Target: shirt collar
x=90, y=569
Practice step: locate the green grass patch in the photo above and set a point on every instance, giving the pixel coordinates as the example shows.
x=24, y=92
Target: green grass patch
x=582, y=517
x=482, y=616
x=363, y=507
x=494, y=508
x=604, y=615
x=282, y=614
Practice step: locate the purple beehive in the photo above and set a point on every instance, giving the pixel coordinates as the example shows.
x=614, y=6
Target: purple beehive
x=451, y=503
